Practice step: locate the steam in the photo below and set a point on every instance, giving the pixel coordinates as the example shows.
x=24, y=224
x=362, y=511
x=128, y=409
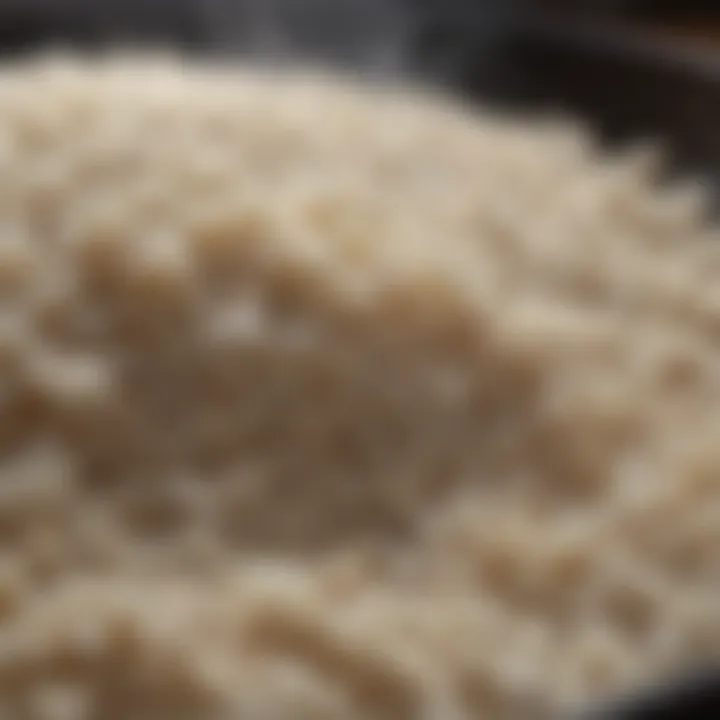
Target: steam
x=375, y=35
x=434, y=38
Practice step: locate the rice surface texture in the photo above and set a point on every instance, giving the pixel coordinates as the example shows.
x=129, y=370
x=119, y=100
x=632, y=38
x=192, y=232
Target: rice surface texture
x=324, y=401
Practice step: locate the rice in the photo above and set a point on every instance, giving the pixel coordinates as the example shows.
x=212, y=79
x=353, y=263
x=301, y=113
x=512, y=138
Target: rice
x=320, y=400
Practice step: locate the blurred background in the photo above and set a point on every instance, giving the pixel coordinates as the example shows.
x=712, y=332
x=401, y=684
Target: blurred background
x=635, y=70
x=647, y=69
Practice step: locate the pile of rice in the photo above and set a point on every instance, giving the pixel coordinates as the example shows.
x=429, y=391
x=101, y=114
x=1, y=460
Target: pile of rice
x=319, y=401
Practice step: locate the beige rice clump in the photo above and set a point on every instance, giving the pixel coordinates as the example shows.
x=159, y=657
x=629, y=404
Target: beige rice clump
x=320, y=401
